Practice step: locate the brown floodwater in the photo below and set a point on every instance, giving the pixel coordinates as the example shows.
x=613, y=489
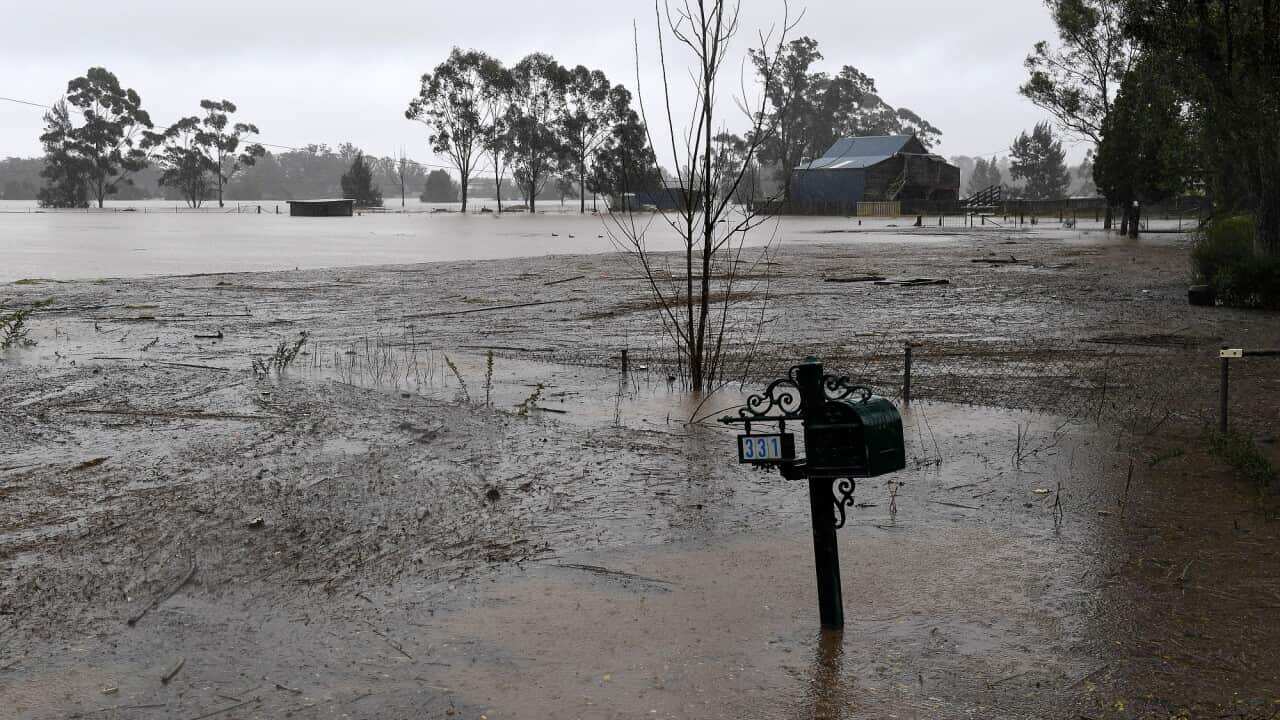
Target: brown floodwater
x=155, y=238
x=366, y=539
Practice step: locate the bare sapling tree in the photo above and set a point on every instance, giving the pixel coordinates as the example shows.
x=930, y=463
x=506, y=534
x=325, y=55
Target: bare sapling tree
x=702, y=308
x=405, y=172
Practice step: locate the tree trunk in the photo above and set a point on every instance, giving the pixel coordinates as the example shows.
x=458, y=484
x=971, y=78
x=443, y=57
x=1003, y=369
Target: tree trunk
x=582, y=188
x=1133, y=222
x=1267, y=232
x=1124, y=221
x=695, y=362
x=533, y=200
x=1106, y=219
x=220, y=190
x=497, y=184
x=465, y=182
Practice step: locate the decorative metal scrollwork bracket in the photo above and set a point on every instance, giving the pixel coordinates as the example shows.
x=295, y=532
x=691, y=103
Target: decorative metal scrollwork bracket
x=840, y=388
x=781, y=401
x=842, y=494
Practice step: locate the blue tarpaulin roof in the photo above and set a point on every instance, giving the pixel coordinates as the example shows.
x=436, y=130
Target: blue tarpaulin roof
x=859, y=152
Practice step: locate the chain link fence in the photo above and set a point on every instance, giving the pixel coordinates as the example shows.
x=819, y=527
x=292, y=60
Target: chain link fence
x=1143, y=383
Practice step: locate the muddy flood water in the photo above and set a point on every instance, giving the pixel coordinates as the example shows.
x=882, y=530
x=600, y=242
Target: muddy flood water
x=133, y=239
x=454, y=504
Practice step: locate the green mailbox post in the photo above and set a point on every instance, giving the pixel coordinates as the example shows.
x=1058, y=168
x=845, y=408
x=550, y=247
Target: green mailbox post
x=848, y=434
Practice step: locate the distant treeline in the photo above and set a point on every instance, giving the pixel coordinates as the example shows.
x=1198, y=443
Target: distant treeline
x=980, y=173
x=310, y=172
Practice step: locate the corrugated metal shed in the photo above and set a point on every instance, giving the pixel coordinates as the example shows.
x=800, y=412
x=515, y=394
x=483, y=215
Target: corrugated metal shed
x=880, y=168
x=321, y=208
x=829, y=187
x=859, y=152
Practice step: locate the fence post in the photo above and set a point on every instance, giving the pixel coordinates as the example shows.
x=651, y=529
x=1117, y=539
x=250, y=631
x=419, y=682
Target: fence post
x=624, y=362
x=906, y=376
x=1223, y=392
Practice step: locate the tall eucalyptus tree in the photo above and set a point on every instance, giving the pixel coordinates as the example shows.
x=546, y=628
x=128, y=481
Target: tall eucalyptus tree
x=536, y=147
x=451, y=104
x=111, y=140
x=221, y=141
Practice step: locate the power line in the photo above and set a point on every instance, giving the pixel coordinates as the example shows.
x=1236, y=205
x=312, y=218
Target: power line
x=264, y=144
x=25, y=102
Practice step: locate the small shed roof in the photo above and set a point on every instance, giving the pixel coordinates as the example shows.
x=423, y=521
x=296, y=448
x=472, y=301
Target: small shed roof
x=318, y=202
x=859, y=152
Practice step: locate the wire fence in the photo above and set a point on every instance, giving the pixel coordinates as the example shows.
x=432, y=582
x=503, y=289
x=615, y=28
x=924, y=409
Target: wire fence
x=1094, y=209
x=1143, y=383
x=264, y=207
x=480, y=206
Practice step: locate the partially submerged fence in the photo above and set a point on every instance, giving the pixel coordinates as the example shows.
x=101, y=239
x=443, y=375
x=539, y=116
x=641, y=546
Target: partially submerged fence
x=271, y=207
x=880, y=209
x=1139, y=380
x=1226, y=355
x=1007, y=209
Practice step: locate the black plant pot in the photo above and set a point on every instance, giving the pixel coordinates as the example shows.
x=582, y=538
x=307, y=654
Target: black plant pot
x=1201, y=295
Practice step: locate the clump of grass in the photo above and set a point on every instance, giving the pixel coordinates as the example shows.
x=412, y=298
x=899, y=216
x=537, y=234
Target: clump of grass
x=531, y=402
x=1240, y=452
x=286, y=352
x=1169, y=454
x=466, y=396
x=488, y=378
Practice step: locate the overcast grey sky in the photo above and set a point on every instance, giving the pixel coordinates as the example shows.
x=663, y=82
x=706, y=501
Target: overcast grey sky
x=322, y=71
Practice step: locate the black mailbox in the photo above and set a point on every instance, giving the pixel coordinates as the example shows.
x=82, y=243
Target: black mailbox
x=856, y=439
x=848, y=434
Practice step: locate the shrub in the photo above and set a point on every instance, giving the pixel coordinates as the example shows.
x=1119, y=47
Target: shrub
x=1224, y=258
x=286, y=352
x=13, y=329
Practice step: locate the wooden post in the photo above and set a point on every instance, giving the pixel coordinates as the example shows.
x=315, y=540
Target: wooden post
x=906, y=376
x=1223, y=394
x=624, y=362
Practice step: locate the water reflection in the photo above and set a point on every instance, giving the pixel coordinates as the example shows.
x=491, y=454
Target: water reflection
x=829, y=697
